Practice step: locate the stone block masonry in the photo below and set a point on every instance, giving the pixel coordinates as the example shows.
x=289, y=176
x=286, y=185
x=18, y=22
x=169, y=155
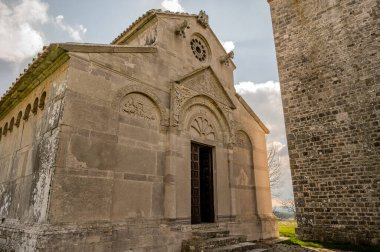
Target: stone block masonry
x=328, y=54
x=135, y=144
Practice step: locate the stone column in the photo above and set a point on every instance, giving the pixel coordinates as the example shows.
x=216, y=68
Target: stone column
x=169, y=177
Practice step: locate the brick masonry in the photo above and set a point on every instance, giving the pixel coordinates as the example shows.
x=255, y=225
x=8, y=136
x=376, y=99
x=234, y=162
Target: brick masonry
x=328, y=54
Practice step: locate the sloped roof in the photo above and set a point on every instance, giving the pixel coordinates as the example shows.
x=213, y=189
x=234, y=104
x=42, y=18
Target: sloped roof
x=48, y=61
x=252, y=113
x=146, y=17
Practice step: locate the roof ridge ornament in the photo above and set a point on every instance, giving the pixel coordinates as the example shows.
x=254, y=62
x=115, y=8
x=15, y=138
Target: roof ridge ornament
x=225, y=59
x=180, y=31
x=203, y=18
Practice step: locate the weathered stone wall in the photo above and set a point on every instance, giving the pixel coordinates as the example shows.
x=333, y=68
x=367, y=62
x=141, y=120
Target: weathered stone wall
x=28, y=147
x=329, y=59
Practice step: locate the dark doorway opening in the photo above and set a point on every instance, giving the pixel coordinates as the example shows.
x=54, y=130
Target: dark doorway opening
x=202, y=190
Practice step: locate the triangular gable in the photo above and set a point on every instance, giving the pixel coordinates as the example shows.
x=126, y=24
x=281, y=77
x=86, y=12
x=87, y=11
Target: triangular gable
x=205, y=81
x=150, y=16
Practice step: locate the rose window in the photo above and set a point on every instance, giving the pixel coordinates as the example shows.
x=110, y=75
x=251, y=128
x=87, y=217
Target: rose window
x=199, y=49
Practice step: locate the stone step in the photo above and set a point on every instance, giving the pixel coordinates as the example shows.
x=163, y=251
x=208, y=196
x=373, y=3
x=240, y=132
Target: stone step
x=224, y=241
x=200, y=244
x=257, y=250
x=205, y=226
x=244, y=246
x=208, y=234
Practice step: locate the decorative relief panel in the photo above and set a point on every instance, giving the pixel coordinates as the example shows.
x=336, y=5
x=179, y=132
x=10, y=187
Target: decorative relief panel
x=184, y=98
x=138, y=100
x=242, y=140
x=202, y=88
x=206, y=83
x=201, y=127
x=181, y=95
x=138, y=105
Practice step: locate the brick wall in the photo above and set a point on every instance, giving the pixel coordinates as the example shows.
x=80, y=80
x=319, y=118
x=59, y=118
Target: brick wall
x=328, y=54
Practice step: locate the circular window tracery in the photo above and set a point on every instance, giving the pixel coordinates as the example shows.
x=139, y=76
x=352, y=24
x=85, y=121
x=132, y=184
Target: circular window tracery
x=199, y=49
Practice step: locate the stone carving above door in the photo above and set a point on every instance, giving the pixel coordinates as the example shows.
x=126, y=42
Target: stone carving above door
x=203, y=128
x=202, y=82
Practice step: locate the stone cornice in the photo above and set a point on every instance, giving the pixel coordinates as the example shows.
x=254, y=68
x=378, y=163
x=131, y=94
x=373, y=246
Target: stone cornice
x=49, y=60
x=105, y=48
x=141, y=21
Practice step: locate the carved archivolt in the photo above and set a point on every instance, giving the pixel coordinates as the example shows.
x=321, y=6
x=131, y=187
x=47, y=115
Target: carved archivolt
x=206, y=83
x=202, y=83
x=140, y=101
x=180, y=95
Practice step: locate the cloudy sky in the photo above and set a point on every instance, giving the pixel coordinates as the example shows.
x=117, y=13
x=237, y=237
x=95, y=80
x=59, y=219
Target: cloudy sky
x=244, y=26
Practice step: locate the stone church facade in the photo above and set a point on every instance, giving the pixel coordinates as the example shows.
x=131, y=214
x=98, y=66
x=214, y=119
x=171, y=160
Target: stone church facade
x=132, y=145
x=328, y=54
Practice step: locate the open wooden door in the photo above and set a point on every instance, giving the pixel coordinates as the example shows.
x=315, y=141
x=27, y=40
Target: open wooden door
x=202, y=192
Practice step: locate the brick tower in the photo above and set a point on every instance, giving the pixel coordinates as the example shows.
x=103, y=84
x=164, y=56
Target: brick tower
x=328, y=54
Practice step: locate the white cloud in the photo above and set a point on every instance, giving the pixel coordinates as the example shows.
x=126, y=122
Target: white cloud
x=265, y=100
x=172, y=5
x=19, y=37
x=76, y=33
x=228, y=46
x=21, y=29
x=270, y=87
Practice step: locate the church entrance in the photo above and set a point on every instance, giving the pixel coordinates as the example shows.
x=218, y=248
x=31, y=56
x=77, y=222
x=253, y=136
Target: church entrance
x=202, y=190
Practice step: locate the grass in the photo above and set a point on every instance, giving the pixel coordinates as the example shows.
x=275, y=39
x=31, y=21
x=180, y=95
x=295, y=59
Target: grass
x=287, y=229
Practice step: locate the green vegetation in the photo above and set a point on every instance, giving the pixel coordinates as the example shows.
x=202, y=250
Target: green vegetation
x=287, y=229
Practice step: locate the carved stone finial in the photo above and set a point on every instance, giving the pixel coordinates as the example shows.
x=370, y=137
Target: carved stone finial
x=180, y=31
x=151, y=37
x=203, y=18
x=150, y=40
x=226, y=59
